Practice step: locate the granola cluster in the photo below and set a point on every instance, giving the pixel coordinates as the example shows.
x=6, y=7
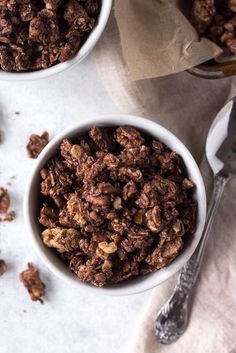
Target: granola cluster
x=4, y=201
x=5, y=215
x=32, y=282
x=36, y=144
x=36, y=34
x=217, y=21
x=116, y=204
x=3, y=267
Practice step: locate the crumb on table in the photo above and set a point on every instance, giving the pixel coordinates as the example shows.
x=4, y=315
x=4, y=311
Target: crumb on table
x=36, y=144
x=4, y=201
x=3, y=267
x=32, y=282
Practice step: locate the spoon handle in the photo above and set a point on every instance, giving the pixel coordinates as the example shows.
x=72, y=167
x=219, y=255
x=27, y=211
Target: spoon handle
x=172, y=319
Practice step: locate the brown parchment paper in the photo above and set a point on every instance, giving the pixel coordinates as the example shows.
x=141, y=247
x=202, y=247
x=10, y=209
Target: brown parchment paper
x=157, y=39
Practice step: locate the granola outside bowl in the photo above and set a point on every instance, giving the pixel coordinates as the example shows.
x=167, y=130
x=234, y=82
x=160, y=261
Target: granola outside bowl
x=41, y=38
x=107, y=222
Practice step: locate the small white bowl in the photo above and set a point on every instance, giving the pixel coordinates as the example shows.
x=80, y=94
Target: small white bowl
x=82, y=53
x=54, y=263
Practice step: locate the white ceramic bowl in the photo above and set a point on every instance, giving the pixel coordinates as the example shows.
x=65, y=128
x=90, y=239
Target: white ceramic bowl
x=54, y=263
x=82, y=53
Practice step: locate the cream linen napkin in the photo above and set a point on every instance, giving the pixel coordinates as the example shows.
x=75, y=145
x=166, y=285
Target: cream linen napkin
x=186, y=105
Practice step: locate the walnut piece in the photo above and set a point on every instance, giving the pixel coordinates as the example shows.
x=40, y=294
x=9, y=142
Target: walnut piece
x=62, y=239
x=128, y=137
x=108, y=248
x=187, y=184
x=117, y=204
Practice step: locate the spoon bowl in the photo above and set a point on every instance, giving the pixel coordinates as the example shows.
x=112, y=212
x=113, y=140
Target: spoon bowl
x=221, y=141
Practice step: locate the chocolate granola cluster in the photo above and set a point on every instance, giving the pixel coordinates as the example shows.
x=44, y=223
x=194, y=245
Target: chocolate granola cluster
x=3, y=267
x=5, y=214
x=33, y=283
x=36, y=34
x=217, y=21
x=116, y=204
x=36, y=144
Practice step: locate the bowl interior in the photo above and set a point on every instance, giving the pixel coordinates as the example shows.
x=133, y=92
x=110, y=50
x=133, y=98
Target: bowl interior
x=31, y=206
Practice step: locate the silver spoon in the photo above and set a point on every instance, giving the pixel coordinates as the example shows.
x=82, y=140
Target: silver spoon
x=172, y=319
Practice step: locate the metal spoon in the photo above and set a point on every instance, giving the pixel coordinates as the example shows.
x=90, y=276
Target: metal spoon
x=172, y=319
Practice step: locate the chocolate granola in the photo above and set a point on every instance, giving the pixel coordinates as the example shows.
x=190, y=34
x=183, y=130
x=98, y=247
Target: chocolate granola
x=216, y=20
x=8, y=217
x=32, y=282
x=38, y=34
x=4, y=201
x=5, y=216
x=36, y=144
x=115, y=204
x=3, y=267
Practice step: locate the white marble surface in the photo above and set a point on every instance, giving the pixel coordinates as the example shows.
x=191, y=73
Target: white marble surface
x=70, y=321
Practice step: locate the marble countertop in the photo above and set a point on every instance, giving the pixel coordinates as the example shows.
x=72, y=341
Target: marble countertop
x=70, y=321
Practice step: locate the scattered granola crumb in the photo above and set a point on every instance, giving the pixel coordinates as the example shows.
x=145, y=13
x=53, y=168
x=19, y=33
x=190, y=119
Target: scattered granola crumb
x=36, y=144
x=9, y=183
x=4, y=201
x=17, y=113
x=32, y=282
x=9, y=217
x=3, y=267
x=4, y=206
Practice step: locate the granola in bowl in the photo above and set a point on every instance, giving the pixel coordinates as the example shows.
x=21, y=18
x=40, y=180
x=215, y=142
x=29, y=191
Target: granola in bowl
x=36, y=35
x=216, y=20
x=115, y=204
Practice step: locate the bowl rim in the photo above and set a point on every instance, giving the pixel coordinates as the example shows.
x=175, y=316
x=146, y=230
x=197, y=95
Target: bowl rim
x=141, y=284
x=86, y=48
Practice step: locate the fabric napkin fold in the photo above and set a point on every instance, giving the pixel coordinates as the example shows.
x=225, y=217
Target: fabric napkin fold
x=186, y=105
